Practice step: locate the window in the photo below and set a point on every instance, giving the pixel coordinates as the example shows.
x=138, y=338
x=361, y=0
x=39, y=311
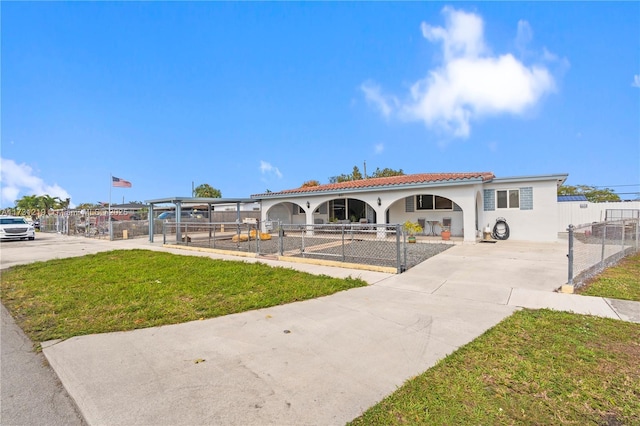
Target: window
x=433, y=202
x=443, y=203
x=508, y=199
x=424, y=202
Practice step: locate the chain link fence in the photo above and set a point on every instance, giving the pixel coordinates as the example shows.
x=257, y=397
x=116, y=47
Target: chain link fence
x=95, y=227
x=98, y=226
x=368, y=244
x=596, y=246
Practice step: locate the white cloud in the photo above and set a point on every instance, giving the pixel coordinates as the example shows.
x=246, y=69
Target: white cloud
x=524, y=35
x=471, y=82
x=378, y=148
x=373, y=95
x=268, y=169
x=636, y=81
x=463, y=36
x=19, y=180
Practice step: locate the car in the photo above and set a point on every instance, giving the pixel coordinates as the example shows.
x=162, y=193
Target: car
x=16, y=228
x=172, y=215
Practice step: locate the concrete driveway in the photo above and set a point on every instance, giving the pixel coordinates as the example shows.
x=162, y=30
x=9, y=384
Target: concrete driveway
x=319, y=362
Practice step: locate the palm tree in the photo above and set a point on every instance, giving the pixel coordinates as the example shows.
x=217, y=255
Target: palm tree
x=207, y=191
x=47, y=202
x=28, y=202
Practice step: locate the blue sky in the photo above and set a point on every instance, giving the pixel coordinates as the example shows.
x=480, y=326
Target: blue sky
x=254, y=96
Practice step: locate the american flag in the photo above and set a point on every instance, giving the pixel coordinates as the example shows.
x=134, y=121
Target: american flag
x=120, y=183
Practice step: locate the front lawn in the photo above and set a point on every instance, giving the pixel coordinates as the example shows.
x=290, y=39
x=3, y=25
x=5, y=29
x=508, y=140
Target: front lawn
x=128, y=289
x=619, y=282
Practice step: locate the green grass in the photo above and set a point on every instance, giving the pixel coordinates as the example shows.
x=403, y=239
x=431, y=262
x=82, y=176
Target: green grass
x=128, y=289
x=619, y=282
x=534, y=368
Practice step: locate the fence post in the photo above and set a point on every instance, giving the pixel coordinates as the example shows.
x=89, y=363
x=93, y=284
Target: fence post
x=637, y=234
x=604, y=240
x=343, y=226
x=399, y=266
x=405, y=246
x=570, y=255
x=624, y=228
x=569, y=287
x=257, y=240
x=164, y=233
x=280, y=239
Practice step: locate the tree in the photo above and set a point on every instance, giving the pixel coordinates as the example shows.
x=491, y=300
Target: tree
x=38, y=202
x=28, y=202
x=207, y=191
x=386, y=172
x=89, y=206
x=310, y=183
x=48, y=202
x=355, y=175
x=593, y=194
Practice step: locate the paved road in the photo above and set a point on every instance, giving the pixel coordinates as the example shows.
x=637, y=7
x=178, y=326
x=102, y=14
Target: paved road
x=31, y=393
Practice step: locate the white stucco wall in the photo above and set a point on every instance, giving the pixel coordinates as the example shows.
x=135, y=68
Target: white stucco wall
x=572, y=212
x=538, y=224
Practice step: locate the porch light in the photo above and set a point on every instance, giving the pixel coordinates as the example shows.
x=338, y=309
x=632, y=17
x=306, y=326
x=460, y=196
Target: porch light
x=308, y=204
x=379, y=201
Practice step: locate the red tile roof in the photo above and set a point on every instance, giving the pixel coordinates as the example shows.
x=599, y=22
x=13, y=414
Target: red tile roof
x=386, y=182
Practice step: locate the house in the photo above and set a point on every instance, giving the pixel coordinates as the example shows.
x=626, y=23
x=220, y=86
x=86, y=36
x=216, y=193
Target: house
x=463, y=202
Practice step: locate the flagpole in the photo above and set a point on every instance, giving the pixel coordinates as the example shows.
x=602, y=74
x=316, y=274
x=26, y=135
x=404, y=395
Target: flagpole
x=109, y=217
x=110, y=185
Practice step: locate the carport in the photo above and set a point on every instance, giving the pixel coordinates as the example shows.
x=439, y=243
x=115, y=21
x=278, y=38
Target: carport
x=180, y=201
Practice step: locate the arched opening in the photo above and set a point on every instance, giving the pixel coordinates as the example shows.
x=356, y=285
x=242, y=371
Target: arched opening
x=351, y=210
x=434, y=212
x=281, y=212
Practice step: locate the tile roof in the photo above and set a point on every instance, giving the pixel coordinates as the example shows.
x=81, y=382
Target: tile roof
x=387, y=182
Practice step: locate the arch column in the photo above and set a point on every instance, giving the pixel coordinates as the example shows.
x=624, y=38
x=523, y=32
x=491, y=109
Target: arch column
x=309, y=219
x=468, y=206
x=381, y=231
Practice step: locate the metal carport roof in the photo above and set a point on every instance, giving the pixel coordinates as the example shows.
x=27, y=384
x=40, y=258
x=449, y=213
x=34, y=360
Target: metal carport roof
x=179, y=201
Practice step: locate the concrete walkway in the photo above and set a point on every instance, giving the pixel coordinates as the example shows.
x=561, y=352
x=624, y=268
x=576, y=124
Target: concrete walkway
x=318, y=362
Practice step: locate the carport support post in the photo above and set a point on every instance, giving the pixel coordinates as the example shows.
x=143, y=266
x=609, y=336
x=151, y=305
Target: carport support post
x=151, y=230
x=178, y=216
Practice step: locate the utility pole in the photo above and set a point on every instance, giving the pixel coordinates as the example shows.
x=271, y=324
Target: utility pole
x=365, y=169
